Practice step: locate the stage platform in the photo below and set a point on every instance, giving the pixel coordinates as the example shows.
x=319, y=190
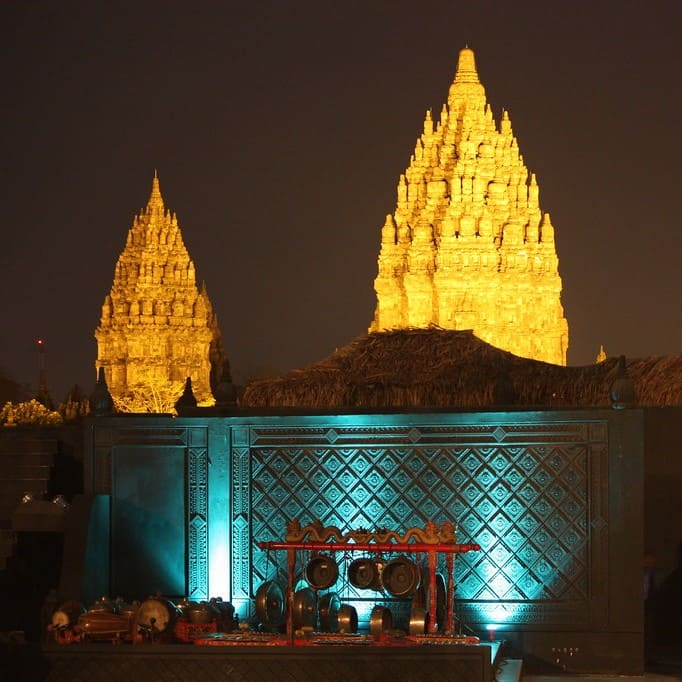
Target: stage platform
x=178, y=662
x=364, y=662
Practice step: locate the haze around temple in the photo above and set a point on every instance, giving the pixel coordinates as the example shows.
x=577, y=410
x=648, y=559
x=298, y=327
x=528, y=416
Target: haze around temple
x=279, y=135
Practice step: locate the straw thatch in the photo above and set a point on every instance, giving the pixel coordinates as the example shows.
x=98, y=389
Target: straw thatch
x=436, y=368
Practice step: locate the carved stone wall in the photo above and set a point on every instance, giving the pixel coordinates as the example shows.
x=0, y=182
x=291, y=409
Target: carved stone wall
x=531, y=495
x=543, y=493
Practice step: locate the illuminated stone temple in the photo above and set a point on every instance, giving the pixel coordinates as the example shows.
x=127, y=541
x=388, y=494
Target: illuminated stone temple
x=157, y=327
x=468, y=246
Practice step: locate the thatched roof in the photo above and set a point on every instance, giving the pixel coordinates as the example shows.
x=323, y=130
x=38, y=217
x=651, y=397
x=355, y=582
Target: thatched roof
x=436, y=368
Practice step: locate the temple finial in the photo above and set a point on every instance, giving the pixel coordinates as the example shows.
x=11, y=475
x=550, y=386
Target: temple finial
x=155, y=203
x=466, y=67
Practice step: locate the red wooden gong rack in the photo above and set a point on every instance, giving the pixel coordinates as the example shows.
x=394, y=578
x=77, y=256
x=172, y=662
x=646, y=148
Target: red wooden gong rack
x=431, y=540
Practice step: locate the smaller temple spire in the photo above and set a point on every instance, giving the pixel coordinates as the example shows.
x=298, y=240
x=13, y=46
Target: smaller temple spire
x=428, y=124
x=101, y=402
x=225, y=393
x=546, y=230
x=187, y=399
x=388, y=235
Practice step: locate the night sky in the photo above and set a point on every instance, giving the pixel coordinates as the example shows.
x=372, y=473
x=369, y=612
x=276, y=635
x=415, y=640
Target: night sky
x=279, y=130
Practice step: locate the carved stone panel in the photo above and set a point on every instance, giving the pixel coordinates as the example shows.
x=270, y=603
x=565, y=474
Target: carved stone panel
x=529, y=494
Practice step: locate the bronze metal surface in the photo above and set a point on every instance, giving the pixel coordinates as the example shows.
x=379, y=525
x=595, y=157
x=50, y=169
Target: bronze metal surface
x=400, y=577
x=365, y=573
x=419, y=619
x=155, y=613
x=380, y=620
x=321, y=572
x=305, y=608
x=348, y=619
x=270, y=604
x=329, y=612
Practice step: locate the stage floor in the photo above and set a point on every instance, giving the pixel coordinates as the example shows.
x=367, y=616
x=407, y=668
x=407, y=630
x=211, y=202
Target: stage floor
x=350, y=663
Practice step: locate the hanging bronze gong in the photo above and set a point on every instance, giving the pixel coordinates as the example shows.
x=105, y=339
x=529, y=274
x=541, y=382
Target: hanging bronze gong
x=400, y=577
x=305, y=608
x=321, y=572
x=365, y=574
x=270, y=605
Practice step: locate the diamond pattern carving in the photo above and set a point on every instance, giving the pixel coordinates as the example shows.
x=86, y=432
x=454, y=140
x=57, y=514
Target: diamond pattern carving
x=526, y=506
x=499, y=433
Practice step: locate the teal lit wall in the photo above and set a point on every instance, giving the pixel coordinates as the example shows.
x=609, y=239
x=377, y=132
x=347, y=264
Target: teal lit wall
x=541, y=492
x=529, y=488
x=146, y=513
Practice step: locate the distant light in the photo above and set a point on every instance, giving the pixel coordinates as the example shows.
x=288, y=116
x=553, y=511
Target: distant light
x=60, y=501
x=28, y=497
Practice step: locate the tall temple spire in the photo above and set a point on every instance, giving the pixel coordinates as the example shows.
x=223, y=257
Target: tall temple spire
x=468, y=246
x=157, y=326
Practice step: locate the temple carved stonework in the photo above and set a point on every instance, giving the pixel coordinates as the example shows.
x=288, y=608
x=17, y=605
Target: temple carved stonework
x=468, y=246
x=157, y=328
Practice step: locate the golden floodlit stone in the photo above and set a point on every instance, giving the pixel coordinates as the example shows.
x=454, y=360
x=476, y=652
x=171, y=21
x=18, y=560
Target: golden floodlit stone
x=157, y=327
x=467, y=246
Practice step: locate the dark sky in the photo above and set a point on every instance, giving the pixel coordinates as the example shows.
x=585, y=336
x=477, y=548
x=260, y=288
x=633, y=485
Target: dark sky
x=279, y=130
